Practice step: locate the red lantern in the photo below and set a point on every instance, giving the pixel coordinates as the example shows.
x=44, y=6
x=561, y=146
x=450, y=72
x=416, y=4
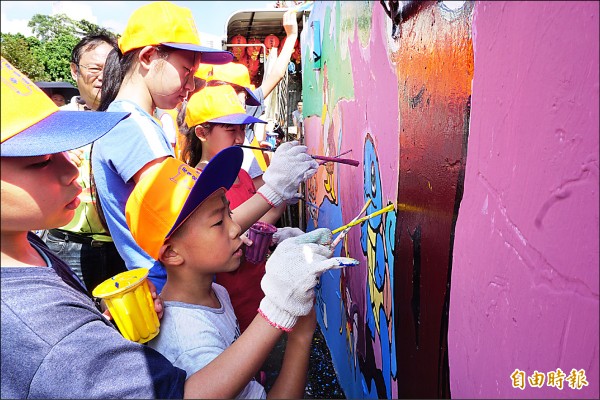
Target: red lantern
x=271, y=41
x=253, y=51
x=296, y=56
x=253, y=65
x=245, y=60
x=238, y=51
x=282, y=42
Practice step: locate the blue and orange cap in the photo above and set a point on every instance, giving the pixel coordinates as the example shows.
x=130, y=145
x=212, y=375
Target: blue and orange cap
x=237, y=74
x=32, y=125
x=166, y=197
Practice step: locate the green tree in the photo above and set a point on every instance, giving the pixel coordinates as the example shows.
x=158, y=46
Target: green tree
x=89, y=28
x=20, y=52
x=46, y=56
x=55, y=54
x=48, y=27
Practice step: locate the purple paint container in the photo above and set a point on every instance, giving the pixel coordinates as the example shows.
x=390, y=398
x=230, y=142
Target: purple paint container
x=261, y=234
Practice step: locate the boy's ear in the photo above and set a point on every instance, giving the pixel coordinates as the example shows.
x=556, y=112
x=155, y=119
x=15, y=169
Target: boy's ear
x=169, y=256
x=200, y=133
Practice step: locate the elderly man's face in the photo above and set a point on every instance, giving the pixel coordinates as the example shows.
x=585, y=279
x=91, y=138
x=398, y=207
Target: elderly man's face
x=88, y=73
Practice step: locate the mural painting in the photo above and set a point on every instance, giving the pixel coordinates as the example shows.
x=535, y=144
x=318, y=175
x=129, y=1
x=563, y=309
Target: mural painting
x=355, y=104
x=479, y=122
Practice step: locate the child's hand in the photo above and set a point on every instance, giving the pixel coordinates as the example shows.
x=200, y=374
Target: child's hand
x=76, y=156
x=285, y=233
x=290, y=166
x=290, y=23
x=246, y=240
x=291, y=274
x=158, y=302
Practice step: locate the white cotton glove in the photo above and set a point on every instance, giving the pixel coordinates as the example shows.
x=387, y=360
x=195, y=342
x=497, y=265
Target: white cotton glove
x=285, y=233
x=289, y=167
x=292, y=272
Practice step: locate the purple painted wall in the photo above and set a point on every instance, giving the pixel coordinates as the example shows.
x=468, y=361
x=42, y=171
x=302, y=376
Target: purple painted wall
x=524, y=291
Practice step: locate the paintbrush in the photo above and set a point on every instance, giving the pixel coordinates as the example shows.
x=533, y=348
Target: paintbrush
x=348, y=161
x=308, y=203
x=345, y=231
x=363, y=219
x=324, y=158
x=336, y=156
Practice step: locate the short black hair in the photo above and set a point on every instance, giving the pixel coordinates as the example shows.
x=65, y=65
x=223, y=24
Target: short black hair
x=90, y=42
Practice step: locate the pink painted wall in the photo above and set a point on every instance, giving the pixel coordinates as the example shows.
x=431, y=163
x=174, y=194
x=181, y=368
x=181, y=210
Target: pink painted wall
x=524, y=291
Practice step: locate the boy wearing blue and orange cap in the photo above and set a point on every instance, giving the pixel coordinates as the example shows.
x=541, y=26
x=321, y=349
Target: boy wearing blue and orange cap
x=181, y=217
x=215, y=120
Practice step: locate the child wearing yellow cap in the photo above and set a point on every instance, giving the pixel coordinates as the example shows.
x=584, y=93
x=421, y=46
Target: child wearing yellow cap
x=159, y=52
x=181, y=217
x=214, y=120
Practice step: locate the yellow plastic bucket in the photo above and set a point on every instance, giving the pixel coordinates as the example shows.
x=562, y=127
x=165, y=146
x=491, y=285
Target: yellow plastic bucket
x=128, y=298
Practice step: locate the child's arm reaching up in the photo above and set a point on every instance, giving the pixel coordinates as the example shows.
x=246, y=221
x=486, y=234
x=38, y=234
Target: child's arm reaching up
x=292, y=378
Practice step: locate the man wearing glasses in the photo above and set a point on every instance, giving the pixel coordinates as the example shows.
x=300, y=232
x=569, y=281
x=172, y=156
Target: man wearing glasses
x=87, y=63
x=85, y=244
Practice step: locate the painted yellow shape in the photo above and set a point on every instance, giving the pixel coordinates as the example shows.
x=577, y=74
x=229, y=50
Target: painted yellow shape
x=259, y=155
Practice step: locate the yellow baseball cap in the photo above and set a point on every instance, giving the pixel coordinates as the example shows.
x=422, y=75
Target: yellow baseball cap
x=32, y=125
x=238, y=75
x=204, y=71
x=170, y=25
x=217, y=104
x=165, y=198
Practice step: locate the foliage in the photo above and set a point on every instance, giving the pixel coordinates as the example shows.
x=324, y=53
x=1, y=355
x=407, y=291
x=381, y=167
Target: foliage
x=49, y=27
x=19, y=51
x=56, y=57
x=46, y=56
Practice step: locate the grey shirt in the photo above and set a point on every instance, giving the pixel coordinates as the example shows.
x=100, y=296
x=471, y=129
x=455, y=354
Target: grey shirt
x=56, y=344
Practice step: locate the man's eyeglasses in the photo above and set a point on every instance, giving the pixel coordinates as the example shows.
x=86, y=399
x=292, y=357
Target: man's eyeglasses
x=93, y=70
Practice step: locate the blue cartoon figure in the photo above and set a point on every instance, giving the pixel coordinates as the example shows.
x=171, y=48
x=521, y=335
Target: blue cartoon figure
x=377, y=242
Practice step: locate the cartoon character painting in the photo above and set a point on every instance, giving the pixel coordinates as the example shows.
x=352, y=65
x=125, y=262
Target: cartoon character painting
x=377, y=235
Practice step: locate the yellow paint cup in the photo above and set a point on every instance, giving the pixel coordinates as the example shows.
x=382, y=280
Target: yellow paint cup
x=128, y=298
